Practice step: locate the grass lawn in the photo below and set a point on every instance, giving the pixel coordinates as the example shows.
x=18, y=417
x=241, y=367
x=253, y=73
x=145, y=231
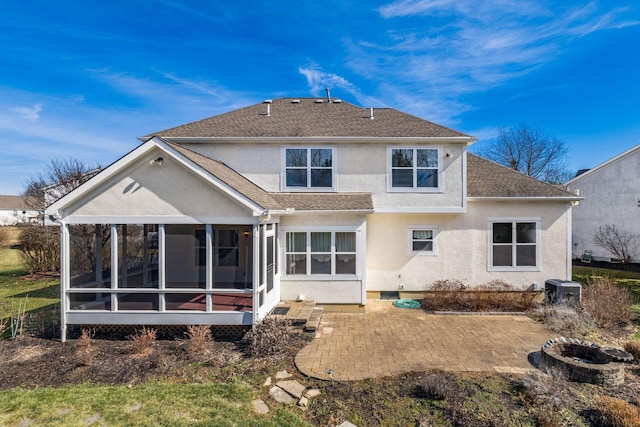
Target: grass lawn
x=17, y=289
x=148, y=404
x=630, y=279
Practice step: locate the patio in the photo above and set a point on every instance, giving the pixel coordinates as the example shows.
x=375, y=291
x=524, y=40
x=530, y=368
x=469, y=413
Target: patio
x=389, y=341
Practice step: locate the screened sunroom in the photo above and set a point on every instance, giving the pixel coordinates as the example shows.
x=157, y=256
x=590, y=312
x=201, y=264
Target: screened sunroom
x=149, y=242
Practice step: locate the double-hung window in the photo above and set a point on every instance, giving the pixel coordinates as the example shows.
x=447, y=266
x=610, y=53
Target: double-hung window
x=414, y=169
x=328, y=253
x=422, y=240
x=309, y=168
x=514, y=245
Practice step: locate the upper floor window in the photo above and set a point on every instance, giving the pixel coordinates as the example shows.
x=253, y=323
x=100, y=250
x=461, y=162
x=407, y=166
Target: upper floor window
x=309, y=168
x=514, y=245
x=414, y=169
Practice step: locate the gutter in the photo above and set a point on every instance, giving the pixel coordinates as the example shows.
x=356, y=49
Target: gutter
x=315, y=139
x=525, y=199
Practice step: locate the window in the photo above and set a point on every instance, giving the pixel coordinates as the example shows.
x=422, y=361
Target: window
x=307, y=168
x=514, y=245
x=422, y=240
x=321, y=253
x=414, y=169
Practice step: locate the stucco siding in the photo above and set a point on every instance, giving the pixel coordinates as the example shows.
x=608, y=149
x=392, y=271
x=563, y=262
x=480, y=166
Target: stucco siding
x=611, y=197
x=359, y=167
x=461, y=246
x=158, y=192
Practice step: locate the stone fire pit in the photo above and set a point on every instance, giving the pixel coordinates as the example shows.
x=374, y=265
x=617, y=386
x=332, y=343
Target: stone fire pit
x=584, y=361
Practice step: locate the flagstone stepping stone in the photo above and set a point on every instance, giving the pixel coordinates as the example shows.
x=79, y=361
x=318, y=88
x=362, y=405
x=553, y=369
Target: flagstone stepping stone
x=310, y=394
x=92, y=419
x=281, y=375
x=281, y=396
x=294, y=388
x=267, y=382
x=260, y=407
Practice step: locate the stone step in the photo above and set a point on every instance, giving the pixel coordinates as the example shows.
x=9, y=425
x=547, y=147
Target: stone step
x=298, y=313
x=314, y=320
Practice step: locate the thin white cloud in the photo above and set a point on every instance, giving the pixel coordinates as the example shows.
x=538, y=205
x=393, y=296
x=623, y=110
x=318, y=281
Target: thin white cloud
x=319, y=80
x=453, y=48
x=31, y=114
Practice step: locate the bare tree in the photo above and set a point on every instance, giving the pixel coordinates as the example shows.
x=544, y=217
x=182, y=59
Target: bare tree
x=40, y=245
x=530, y=151
x=57, y=179
x=621, y=243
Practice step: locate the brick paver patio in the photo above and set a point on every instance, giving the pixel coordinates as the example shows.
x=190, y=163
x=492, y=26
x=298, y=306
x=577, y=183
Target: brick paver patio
x=389, y=341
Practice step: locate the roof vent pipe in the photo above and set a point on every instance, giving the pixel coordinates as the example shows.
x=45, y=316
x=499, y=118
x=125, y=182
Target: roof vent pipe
x=268, y=110
x=328, y=95
x=371, y=113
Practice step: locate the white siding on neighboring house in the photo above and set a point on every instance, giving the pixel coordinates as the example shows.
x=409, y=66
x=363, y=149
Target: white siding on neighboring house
x=611, y=194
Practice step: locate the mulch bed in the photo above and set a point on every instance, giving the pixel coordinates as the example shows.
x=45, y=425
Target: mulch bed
x=35, y=362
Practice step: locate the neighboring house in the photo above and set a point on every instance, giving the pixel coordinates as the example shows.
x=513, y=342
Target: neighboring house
x=216, y=221
x=16, y=210
x=611, y=194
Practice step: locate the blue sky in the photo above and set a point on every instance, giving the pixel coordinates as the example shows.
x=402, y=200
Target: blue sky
x=82, y=80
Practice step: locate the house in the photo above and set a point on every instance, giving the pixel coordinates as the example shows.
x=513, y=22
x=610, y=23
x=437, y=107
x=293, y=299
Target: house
x=611, y=194
x=16, y=210
x=216, y=221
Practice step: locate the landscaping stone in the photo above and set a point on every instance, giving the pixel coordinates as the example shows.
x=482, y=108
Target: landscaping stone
x=92, y=419
x=303, y=402
x=267, y=382
x=25, y=423
x=310, y=394
x=281, y=375
x=281, y=396
x=347, y=424
x=294, y=388
x=260, y=407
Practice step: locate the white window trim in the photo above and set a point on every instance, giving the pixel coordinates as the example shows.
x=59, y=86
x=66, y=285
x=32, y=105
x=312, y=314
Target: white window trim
x=323, y=277
x=537, y=221
x=309, y=188
x=392, y=189
x=411, y=228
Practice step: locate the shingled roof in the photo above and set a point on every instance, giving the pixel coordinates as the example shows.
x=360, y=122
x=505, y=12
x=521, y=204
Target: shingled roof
x=325, y=201
x=310, y=117
x=488, y=179
x=19, y=202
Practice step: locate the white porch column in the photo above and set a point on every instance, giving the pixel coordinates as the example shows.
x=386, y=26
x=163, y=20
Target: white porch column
x=64, y=278
x=161, y=265
x=209, y=270
x=114, y=266
x=257, y=253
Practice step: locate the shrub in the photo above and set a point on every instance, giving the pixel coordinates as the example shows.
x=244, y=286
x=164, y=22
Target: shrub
x=633, y=347
x=199, y=340
x=548, y=389
x=268, y=338
x=84, y=349
x=609, y=304
x=4, y=240
x=142, y=341
x=441, y=386
x=564, y=319
x=497, y=295
x=40, y=248
x=616, y=412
